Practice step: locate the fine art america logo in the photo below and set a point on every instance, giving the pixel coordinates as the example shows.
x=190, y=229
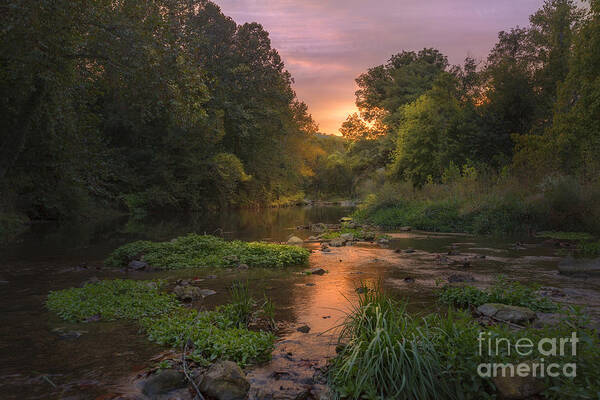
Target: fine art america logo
x=525, y=347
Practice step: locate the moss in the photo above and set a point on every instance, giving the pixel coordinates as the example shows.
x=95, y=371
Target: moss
x=110, y=300
x=203, y=250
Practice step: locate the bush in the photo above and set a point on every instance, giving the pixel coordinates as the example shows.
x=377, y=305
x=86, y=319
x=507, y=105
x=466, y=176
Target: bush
x=503, y=292
x=203, y=250
x=116, y=299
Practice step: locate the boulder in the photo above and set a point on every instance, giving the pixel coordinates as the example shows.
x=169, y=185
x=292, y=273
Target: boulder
x=225, y=380
x=518, y=387
x=187, y=292
x=295, y=241
x=503, y=312
x=163, y=382
x=348, y=237
x=318, y=228
x=137, y=265
x=338, y=242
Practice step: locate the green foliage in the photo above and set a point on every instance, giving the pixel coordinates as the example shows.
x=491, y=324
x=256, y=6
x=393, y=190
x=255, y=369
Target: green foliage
x=565, y=235
x=502, y=291
x=110, y=300
x=203, y=250
x=218, y=334
x=389, y=354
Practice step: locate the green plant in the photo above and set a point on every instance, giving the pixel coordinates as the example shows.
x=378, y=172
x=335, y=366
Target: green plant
x=203, y=250
x=502, y=291
x=110, y=300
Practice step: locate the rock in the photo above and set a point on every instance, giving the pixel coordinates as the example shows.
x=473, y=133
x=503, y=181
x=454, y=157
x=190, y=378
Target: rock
x=310, y=284
x=383, y=241
x=225, y=380
x=318, y=228
x=409, y=279
x=409, y=250
x=243, y=267
x=303, y=329
x=65, y=334
x=187, y=292
x=295, y=241
x=348, y=237
x=405, y=229
x=211, y=277
x=503, y=312
x=326, y=250
x=207, y=292
x=338, y=242
x=454, y=278
x=313, y=238
x=137, y=265
x=163, y=382
x=317, y=271
x=345, y=219
x=547, y=319
x=518, y=387
x=368, y=236
x=548, y=291
x=361, y=290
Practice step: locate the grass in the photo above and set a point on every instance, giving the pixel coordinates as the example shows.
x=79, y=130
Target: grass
x=388, y=353
x=207, y=251
x=503, y=292
x=111, y=300
x=218, y=334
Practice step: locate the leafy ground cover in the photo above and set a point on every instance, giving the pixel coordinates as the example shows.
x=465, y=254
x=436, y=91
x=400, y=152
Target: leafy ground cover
x=207, y=251
x=503, y=292
x=111, y=300
x=218, y=334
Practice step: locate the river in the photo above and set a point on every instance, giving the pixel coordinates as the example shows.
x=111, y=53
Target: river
x=44, y=357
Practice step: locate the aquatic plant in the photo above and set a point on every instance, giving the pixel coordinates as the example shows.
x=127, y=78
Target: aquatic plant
x=110, y=300
x=502, y=291
x=204, y=250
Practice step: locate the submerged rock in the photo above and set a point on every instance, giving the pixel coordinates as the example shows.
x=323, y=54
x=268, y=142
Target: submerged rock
x=163, y=382
x=187, y=292
x=303, y=329
x=503, y=312
x=316, y=271
x=225, y=380
x=454, y=278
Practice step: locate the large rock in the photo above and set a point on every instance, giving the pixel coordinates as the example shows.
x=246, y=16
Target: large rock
x=225, y=380
x=503, y=312
x=188, y=292
x=517, y=387
x=337, y=242
x=295, y=241
x=163, y=382
x=348, y=237
x=319, y=228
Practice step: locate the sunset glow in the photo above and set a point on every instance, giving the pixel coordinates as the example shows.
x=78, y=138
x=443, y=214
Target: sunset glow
x=327, y=44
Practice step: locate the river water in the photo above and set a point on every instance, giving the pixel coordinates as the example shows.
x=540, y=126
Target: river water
x=44, y=357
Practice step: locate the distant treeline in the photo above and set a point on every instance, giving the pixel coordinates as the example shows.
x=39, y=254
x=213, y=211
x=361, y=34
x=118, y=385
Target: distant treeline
x=532, y=109
x=142, y=106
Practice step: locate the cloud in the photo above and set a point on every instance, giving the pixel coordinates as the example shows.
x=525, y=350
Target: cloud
x=326, y=44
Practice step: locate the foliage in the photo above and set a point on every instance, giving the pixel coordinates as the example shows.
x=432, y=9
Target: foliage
x=207, y=251
x=379, y=358
x=565, y=235
x=502, y=291
x=110, y=300
x=219, y=334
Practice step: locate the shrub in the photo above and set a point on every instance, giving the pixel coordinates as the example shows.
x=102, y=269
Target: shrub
x=204, y=250
x=115, y=299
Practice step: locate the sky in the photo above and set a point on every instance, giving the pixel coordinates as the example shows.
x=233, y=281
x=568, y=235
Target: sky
x=326, y=44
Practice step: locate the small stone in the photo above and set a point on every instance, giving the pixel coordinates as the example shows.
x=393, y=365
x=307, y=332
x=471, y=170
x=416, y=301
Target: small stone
x=316, y=271
x=361, y=290
x=137, y=265
x=409, y=279
x=303, y=329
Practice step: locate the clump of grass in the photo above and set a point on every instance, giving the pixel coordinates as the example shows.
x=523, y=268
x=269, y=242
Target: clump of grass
x=111, y=300
x=219, y=334
x=503, y=292
x=389, y=354
x=207, y=251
